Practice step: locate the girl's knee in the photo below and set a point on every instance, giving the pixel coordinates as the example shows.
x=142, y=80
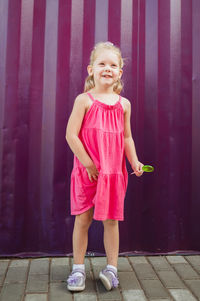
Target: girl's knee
x=110, y=222
x=84, y=220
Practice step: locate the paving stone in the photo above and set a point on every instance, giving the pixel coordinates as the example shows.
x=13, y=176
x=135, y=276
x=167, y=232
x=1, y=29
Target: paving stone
x=171, y=279
x=144, y=271
x=176, y=259
x=99, y=261
x=133, y=295
x=98, y=264
x=193, y=259
x=3, y=269
x=19, y=263
x=96, y=271
x=90, y=284
x=3, y=266
x=179, y=275
x=154, y=289
x=138, y=259
x=194, y=285
x=197, y=269
x=36, y=297
x=160, y=263
x=16, y=274
x=39, y=266
x=160, y=299
x=182, y=295
x=123, y=265
x=185, y=271
x=59, y=269
x=128, y=281
x=58, y=292
x=12, y=292
x=103, y=294
x=37, y=283
x=60, y=261
x=85, y=297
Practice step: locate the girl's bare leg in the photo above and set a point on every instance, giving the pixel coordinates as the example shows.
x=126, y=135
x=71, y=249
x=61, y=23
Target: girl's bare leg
x=80, y=235
x=111, y=241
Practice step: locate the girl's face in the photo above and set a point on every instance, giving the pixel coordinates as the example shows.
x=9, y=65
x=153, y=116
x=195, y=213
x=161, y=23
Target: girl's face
x=106, y=69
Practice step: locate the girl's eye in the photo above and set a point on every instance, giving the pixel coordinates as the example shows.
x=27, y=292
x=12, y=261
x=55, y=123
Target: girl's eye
x=113, y=65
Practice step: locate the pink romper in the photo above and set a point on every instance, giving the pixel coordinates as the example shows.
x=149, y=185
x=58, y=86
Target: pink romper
x=102, y=135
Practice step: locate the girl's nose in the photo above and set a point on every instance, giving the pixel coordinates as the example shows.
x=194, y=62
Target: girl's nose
x=107, y=68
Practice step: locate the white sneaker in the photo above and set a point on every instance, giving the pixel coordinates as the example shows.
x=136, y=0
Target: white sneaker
x=109, y=278
x=76, y=282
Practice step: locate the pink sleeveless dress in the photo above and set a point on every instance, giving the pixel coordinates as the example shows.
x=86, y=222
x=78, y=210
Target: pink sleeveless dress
x=102, y=135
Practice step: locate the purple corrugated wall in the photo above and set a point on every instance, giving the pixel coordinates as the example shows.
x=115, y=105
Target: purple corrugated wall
x=44, y=51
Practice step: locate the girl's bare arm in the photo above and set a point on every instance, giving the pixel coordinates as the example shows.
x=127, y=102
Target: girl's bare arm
x=129, y=145
x=73, y=128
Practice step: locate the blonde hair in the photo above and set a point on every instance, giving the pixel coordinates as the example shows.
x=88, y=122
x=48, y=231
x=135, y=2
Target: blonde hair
x=89, y=81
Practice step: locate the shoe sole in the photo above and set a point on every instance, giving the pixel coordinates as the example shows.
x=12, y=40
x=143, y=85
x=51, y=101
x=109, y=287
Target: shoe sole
x=75, y=288
x=105, y=281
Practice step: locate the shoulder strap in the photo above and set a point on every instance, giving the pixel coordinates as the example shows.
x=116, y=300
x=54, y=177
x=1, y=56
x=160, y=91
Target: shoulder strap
x=120, y=98
x=90, y=95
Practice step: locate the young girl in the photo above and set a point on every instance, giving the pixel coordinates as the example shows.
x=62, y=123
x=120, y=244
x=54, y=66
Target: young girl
x=99, y=134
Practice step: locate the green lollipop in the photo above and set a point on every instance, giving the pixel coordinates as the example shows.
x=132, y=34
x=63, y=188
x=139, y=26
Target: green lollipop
x=146, y=168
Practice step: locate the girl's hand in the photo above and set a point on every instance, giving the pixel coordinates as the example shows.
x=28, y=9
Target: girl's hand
x=137, y=168
x=92, y=172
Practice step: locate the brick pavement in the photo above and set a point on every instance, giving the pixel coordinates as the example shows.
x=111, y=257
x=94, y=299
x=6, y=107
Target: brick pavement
x=142, y=278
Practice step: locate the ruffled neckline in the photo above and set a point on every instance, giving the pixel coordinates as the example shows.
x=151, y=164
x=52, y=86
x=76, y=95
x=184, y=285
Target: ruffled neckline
x=107, y=106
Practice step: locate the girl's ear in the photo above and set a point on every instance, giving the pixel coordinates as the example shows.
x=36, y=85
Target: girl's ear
x=89, y=69
x=120, y=73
